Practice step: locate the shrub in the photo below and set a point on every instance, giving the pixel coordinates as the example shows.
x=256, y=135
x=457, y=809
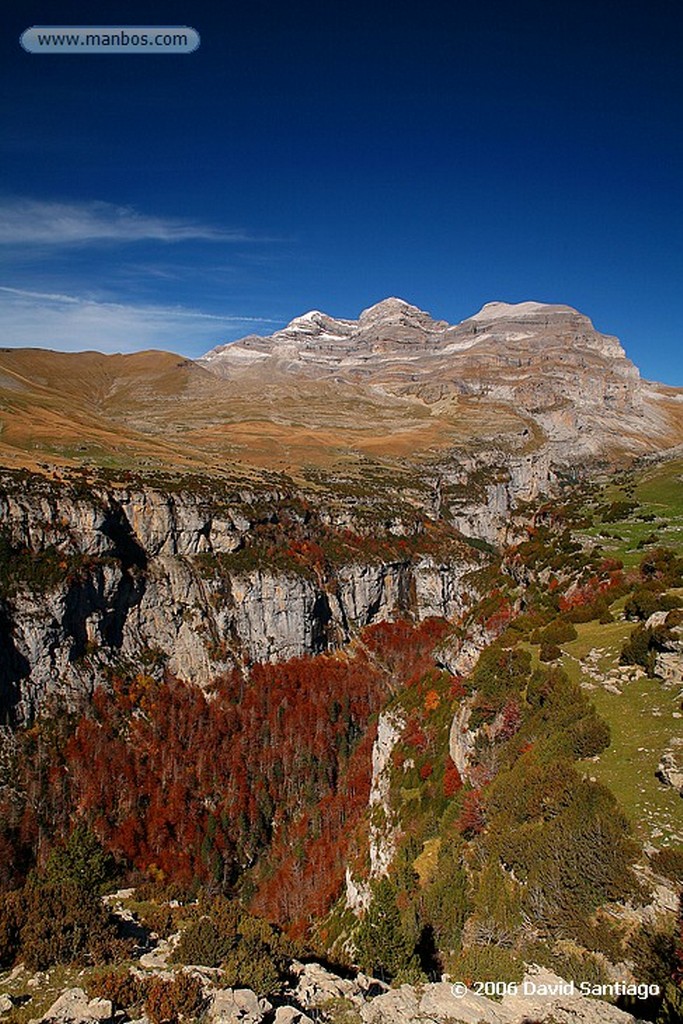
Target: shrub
x=618, y=510
x=596, y=609
x=568, y=962
x=260, y=959
x=644, y=602
x=664, y=565
x=444, y=900
x=637, y=650
x=203, y=943
x=340, y=1011
x=159, y=919
x=490, y=963
x=549, y=652
x=497, y=907
x=589, y=736
x=65, y=923
x=452, y=781
x=10, y=926
x=382, y=944
x=119, y=985
x=669, y=862
x=81, y=860
x=169, y=1001
x=558, y=632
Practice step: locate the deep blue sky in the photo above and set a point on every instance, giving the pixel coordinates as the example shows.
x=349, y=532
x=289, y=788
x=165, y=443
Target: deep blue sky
x=326, y=155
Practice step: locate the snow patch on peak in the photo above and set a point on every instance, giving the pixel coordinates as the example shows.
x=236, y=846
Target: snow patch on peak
x=314, y=316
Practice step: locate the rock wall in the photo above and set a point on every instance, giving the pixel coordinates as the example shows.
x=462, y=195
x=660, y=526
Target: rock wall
x=487, y=495
x=137, y=577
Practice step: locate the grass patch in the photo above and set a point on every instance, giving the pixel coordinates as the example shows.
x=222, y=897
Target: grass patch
x=642, y=724
x=426, y=862
x=33, y=1001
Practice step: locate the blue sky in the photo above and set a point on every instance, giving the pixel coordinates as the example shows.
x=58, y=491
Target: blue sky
x=329, y=155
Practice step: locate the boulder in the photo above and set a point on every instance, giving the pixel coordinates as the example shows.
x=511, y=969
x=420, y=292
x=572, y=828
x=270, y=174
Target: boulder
x=288, y=1015
x=237, y=1006
x=670, y=767
x=543, y=997
x=74, y=1007
x=317, y=985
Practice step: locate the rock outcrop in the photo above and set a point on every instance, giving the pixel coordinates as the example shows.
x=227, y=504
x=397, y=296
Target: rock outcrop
x=74, y=1007
x=384, y=827
x=670, y=767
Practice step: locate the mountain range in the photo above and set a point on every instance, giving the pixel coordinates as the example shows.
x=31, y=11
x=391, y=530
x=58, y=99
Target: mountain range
x=391, y=386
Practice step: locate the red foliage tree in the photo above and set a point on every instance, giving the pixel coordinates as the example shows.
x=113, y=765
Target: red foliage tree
x=452, y=781
x=472, y=819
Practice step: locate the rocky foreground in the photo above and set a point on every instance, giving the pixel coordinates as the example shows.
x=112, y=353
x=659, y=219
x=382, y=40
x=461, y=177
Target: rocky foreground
x=318, y=995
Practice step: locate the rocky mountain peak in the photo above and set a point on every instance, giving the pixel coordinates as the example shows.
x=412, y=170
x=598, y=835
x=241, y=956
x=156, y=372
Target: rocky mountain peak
x=388, y=309
x=535, y=335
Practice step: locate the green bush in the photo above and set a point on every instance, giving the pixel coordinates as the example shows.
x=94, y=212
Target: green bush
x=580, y=860
x=558, y=632
x=549, y=652
x=10, y=927
x=618, y=510
x=597, y=609
x=637, y=650
x=664, y=565
x=202, y=942
x=252, y=953
x=65, y=923
x=497, y=907
x=644, y=602
x=158, y=918
x=588, y=737
x=444, y=901
x=485, y=963
x=575, y=964
x=340, y=1011
x=669, y=862
x=260, y=959
x=81, y=860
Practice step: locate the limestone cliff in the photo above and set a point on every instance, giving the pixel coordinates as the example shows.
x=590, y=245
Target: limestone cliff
x=162, y=580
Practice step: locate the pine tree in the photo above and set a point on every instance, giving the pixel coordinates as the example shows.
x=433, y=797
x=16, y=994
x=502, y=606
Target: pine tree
x=383, y=947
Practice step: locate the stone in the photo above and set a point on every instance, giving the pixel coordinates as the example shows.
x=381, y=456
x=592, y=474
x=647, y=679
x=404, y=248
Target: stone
x=317, y=985
x=288, y=1015
x=438, y=1002
x=237, y=1006
x=670, y=767
x=74, y=1007
x=6, y=1003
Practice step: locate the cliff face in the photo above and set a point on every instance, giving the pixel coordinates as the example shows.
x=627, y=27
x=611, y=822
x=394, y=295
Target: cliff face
x=154, y=580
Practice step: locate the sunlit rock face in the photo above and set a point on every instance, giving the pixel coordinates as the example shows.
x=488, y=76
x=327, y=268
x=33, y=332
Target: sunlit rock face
x=548, y=361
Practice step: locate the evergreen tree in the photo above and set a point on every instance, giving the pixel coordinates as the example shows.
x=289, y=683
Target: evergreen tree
x=383, y=947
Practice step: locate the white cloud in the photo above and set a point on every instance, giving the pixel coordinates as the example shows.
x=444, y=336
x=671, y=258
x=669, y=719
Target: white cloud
x=33, y=222
x=71, y=324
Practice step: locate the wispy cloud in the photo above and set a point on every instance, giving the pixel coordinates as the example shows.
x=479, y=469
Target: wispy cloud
x=71, y=323
x=25, y=222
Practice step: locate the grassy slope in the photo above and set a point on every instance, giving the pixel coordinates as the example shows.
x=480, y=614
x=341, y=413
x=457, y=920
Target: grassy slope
x=159, y=410
x=646, y=715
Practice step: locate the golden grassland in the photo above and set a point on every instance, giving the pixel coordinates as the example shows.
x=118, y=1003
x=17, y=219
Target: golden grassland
x=158, y=410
